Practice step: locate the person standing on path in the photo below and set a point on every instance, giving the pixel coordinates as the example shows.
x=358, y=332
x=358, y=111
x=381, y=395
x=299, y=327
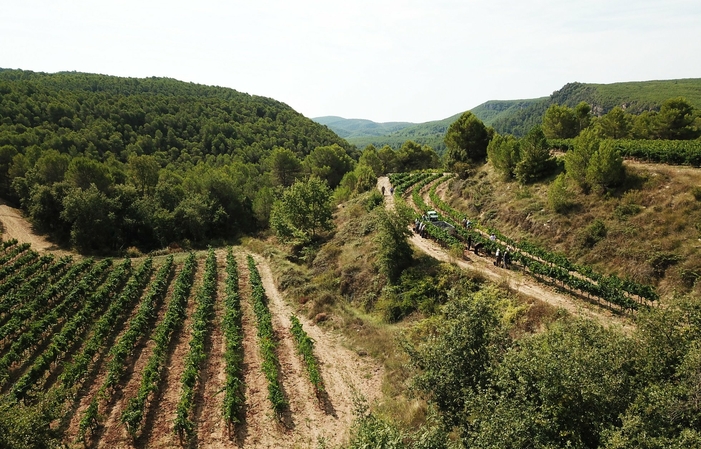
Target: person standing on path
x=383, y=190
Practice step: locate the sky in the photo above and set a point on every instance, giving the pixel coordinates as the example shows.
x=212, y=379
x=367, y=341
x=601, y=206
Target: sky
x=382, y=60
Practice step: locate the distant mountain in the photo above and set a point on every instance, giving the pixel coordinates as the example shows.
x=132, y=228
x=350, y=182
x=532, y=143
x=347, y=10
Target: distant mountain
x=518, y=116
x=350, y=128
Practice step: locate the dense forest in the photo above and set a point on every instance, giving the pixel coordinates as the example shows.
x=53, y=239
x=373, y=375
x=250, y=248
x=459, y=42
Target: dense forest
x=105, y=163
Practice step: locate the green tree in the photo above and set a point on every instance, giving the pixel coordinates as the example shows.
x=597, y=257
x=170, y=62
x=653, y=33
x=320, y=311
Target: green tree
x=83, y=172
x=389, y=159
x=616, y=124
x=394, y=251
x=304, y=209
x=577, y=160
x=466, y=139
x=285, y=166
x=645, y=125
x=605, y=166
x=371, y=158
x=51, y=167
x=583, y=113
x=504, y=154
x=562, y=388
x=536, y=161
x=560, y=122
x=144, y=172
x=329, y=163
x=559, y=196
x=366, y=178
x=263, y=204
x=412, y=156
x=7, y=154
x=93, y=219
x=455, y=364
x=677, y=120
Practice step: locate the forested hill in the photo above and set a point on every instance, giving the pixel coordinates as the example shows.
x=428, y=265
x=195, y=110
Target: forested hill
x=429, y=133
x=518, y=116
x=349, y=128
x=105, y=162
x=634, y=97
x=213, y=120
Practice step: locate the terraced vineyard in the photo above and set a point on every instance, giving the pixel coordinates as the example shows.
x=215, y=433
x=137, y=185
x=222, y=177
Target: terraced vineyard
x=168, y=352
x=545, y=266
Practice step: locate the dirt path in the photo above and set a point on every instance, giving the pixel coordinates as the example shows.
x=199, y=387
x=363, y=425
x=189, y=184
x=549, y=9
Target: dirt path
x=15, y=226
x=516, y=281
x=344, y=372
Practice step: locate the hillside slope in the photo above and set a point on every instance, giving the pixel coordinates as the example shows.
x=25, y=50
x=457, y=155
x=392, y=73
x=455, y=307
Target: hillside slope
x=518, y=116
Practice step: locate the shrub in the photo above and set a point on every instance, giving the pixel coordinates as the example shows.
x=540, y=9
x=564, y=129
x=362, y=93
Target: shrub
x=559, y=195
x=592, y=234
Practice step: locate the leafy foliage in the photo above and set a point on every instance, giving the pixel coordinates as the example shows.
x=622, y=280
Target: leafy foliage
x=143, y=157
x=467, y=139
x=535, y=162
x=304, y=210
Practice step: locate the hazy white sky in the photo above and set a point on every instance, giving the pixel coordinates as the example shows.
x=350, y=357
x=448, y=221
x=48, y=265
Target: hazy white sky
x=383, y=60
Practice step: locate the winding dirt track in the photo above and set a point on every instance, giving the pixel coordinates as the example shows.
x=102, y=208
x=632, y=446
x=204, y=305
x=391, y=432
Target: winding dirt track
x=516, y=280
x=15, y=226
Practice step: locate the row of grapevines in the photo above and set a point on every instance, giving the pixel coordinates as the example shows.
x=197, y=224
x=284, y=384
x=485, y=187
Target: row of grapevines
x=133, y=414
x=305, y=348
x=32, y=335
x=23, y=259
x=675, y=152
x=233, y=393
x=266, y=340
x=20, y=277
x=35, y=285
x=75, y=327
x=54, y=292
x=78, y=368
x=8, y=243
x=104, y=326
x=138, y=326
x=206, y=296
x=14, y=251
x=607, y=288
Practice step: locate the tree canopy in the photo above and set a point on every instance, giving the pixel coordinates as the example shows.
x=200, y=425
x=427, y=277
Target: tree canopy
x=467, y=139
x=162, y=161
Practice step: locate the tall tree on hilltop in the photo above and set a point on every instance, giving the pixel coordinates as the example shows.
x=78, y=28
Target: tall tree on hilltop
x=467, y=139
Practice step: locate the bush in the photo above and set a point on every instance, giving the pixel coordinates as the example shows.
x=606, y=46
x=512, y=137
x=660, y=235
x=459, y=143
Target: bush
x=592, y=234
x=559, y=195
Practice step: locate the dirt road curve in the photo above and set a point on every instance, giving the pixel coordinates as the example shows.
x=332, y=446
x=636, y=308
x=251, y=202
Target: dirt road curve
x=515, y=280
x=15, y=226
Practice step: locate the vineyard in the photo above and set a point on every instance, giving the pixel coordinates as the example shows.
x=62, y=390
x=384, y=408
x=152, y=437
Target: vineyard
x=173, y=351
x=545, y=266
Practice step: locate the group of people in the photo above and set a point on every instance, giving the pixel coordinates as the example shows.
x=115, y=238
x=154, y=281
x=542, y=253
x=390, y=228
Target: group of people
x=391, y=190
x=503, y=259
